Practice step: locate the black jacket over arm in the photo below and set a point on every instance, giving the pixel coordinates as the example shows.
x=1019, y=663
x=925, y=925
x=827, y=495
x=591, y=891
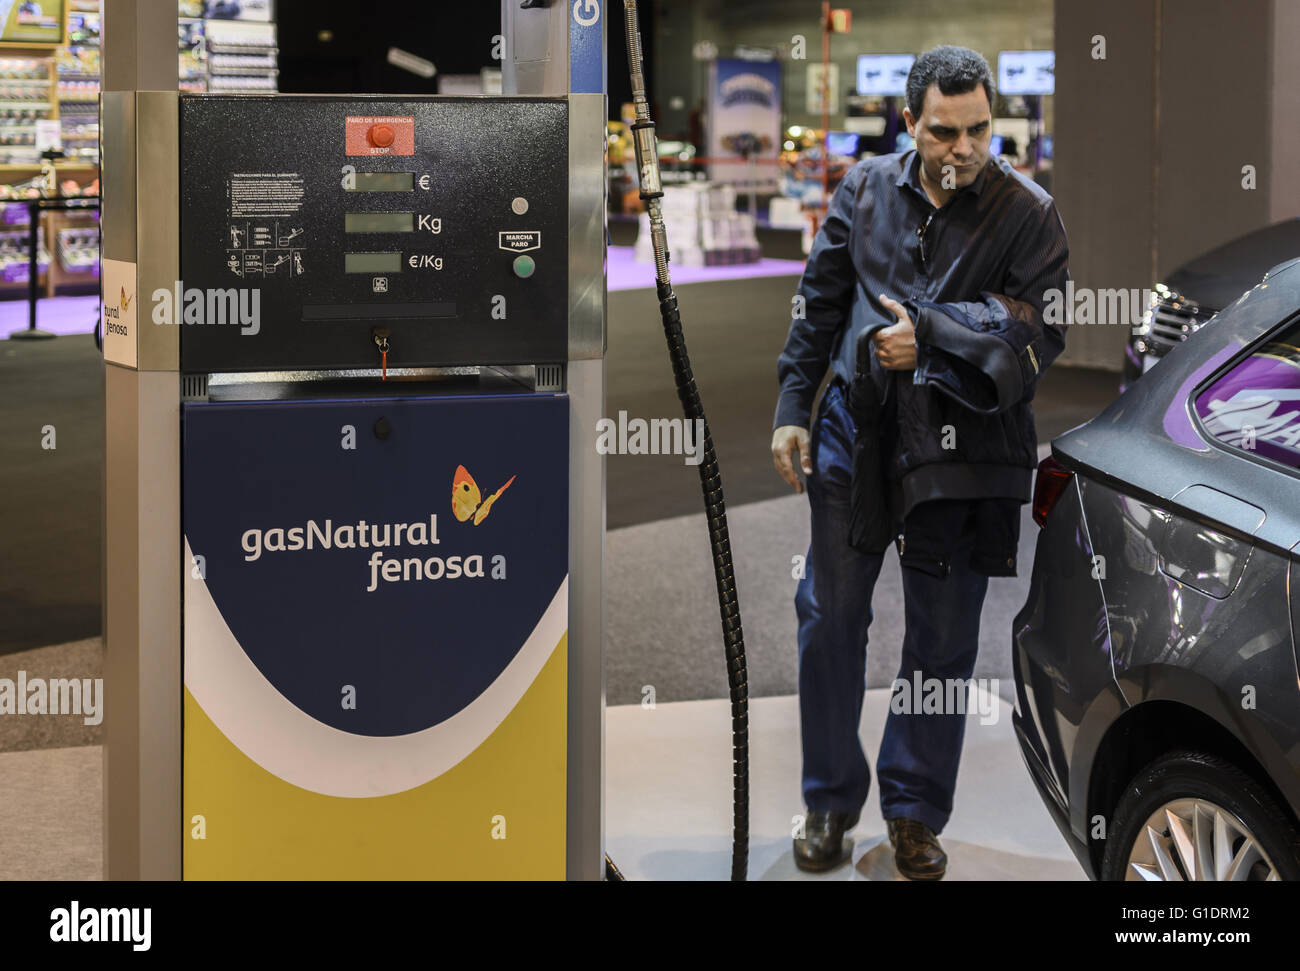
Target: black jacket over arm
x=993, y=255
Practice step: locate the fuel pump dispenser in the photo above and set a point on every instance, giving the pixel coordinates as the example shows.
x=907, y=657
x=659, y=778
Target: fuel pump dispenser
x=354, y=535
x=354, y=520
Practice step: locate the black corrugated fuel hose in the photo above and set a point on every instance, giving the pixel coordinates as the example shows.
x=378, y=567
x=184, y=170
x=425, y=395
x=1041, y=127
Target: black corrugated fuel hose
x=710, y=477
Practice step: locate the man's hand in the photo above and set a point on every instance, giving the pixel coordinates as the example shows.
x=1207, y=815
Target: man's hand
x=786, y=441
x=896, y=344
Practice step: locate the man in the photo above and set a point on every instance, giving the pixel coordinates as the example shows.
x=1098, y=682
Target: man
x=936, y=262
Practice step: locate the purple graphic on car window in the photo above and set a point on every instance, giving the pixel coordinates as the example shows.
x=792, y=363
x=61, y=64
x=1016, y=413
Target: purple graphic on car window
x=1256, y=405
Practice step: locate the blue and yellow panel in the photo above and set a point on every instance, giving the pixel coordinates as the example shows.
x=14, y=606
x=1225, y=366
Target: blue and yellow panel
x=375, y=632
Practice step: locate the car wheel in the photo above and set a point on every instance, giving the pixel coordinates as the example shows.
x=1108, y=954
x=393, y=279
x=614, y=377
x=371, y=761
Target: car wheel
x=1193, y=816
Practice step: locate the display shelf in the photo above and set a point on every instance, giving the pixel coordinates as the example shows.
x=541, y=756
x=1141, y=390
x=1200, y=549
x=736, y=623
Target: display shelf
x=27, y=95
x=77, y=72
x=76, y=235
x=241, y=56
x=58, y=83
x=15, y=261
x=35, y=167
x=76, y=266
x=62, y=83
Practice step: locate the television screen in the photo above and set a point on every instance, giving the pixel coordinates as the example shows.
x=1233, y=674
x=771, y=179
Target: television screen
x=884, y=74
x=842, y=143
x=31, y=21
x=1026, y=72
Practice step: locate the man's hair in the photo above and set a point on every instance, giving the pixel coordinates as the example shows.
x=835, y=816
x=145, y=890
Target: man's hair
x=955, y=69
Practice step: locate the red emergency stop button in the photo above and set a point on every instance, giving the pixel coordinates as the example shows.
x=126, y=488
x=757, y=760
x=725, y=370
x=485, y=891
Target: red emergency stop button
x=377, y=134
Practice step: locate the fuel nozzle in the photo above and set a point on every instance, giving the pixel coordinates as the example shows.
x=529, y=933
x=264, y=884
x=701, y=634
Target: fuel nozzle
x=647, y=147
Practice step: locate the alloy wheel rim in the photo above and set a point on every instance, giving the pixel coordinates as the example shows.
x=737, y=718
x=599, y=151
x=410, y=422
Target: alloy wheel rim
x=1194, y=839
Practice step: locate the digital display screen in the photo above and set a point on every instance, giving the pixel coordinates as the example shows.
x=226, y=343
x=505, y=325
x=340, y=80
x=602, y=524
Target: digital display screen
x=842, y=142
x=384, y=182
x=884, y=74
x=378, y=222
x=372, y=262
x=1026, y=72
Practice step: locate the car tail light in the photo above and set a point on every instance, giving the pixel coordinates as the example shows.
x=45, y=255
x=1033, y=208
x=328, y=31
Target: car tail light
x=1052, y=479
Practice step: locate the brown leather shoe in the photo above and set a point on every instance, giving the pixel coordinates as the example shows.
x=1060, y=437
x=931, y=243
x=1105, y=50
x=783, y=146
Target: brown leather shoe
x=917, y=852
x=822, y=847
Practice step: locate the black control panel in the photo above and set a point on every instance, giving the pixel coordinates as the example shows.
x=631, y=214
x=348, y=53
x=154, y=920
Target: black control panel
x=314, y=227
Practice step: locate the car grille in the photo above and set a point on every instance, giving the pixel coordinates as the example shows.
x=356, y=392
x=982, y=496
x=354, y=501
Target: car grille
x=1169, y=321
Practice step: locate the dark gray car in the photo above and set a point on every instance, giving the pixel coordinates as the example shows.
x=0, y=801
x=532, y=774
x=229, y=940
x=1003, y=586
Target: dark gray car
x=1157, y=691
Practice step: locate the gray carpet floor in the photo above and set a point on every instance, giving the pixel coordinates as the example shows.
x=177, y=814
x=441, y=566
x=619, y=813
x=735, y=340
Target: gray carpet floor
x=50, y=499
x=51, y=814
x=662, y=627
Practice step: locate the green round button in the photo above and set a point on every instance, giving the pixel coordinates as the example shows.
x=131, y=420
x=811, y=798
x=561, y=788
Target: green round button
x=524, y=266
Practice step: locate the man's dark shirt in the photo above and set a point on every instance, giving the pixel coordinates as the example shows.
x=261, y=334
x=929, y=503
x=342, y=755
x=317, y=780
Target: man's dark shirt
x=1001, y=234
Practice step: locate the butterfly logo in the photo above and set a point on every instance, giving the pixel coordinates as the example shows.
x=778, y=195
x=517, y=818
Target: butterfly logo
x=467, y=500
x=126, y=301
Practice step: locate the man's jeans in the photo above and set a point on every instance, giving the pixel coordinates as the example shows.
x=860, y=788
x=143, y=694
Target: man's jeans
x=919, y=753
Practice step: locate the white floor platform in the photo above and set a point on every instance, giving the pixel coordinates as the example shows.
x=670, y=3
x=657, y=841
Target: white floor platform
x=668, y=798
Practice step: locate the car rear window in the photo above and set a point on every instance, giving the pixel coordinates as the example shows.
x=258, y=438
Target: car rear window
x=1255, y=405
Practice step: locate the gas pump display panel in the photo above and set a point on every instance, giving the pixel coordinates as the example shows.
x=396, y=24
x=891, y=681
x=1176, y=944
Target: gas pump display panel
x=309, y=223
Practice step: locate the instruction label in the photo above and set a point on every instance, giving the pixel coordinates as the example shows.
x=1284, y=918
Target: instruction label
x=265, y=194
x=265, y=234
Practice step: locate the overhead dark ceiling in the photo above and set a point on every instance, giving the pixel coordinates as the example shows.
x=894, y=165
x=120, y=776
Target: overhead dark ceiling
x=456, y=37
